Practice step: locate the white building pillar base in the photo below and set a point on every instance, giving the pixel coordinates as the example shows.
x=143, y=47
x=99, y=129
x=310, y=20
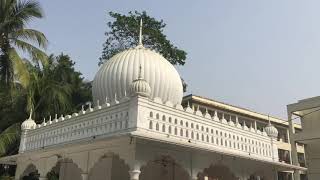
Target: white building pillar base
x=84, y=176
x=194, y=178
x=134, y=174
x=296, y=175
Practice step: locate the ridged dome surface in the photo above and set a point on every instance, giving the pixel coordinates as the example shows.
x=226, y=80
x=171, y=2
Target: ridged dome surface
x=271, y=131
x=140, y=87
x=117, y=74
x=28, y=124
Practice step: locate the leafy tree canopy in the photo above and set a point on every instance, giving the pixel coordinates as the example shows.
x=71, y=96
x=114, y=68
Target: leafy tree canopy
x=123, y=33
x=57, y=88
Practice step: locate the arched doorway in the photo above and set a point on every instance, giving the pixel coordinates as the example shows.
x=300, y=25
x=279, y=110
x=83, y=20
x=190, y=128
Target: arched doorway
x=30, y=173
x=163, y=168
x=217, y=172
x=110, y=167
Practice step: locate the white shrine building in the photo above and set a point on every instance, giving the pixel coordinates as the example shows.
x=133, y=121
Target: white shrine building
x=140, y=128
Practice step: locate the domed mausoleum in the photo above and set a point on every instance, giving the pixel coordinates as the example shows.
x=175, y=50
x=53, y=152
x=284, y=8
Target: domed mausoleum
x=116, y=75
x=136, y=136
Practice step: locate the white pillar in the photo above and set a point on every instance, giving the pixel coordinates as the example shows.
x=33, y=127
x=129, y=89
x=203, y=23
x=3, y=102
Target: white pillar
x=255, y=126
x=84, y=176
x=134, y=174
x=294, y=153
x=134, y=170
x=43, y=178
x=288, y=136
x=194, y=174
x=194, y=178
x=23, y=141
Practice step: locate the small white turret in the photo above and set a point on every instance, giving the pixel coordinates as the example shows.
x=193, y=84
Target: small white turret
x=140, y=86
x=271, y=130
x=25, y=126
x=28, y=123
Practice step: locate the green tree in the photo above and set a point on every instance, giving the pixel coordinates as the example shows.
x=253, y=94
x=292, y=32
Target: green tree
x=66, y=74
x=123, y=33
x=45, y=94
x=12, y=111
x=57, y=88
x=14, y=16
x=9, y=140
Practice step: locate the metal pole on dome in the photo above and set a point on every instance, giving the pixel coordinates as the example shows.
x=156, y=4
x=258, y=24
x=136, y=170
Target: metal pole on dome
x=269, y=119
x=30, y=116
x=140, y=69
x=140, y=33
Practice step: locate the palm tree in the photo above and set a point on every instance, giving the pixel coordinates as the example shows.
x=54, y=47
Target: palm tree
x=14, y=36
x=45, y=93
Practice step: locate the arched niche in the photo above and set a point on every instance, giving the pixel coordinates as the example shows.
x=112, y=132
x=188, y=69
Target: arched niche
x=163, y=167
x=109, y=167
x=217, y=171
x=30, y=173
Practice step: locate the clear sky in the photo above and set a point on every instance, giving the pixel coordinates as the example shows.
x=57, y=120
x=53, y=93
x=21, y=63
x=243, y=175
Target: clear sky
x=261, y=55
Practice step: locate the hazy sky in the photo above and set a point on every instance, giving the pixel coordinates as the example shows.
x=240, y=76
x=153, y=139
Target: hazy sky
x=261, y=55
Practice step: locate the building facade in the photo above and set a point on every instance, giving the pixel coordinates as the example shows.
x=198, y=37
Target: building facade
x=259, y=121
x=141, y=128
x=308, y=111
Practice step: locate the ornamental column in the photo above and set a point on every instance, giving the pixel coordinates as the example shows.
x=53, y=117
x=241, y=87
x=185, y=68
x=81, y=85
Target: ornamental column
x=194, y=174
x=84, y=176
x=194, y=178
x=134, y=170
x=134, y=174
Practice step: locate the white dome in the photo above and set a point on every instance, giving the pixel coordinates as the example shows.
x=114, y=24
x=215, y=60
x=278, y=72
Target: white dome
x=117, y=74
x=271, y=131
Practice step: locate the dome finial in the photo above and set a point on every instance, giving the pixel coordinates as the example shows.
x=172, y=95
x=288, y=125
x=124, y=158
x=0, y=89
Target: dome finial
x=140, y=33
x=30, y=114
x=140, y=69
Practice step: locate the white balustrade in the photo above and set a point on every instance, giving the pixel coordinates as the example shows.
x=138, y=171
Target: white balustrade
x=86, y=126
x=204, y=129
x=161, y=120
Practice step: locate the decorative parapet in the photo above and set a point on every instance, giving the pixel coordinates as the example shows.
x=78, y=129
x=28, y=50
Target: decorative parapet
x=156, y=119
x=190, y=125
x=102, y=121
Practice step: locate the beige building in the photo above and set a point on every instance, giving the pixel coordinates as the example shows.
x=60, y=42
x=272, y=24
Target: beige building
x=259, y=121
x=308, y=111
